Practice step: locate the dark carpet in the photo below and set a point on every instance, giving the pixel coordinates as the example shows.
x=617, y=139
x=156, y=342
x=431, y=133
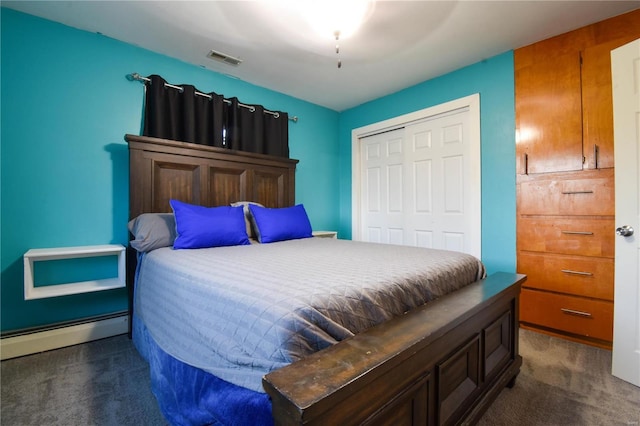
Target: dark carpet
x=106, y=382
x=564, y=383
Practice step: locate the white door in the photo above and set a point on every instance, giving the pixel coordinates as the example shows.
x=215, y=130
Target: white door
x=419, y=184
x=437, y=174
x=625, y=65
x=382, y=187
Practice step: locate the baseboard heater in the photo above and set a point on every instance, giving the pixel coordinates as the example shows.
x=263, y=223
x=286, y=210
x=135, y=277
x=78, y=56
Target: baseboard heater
x=27, y=342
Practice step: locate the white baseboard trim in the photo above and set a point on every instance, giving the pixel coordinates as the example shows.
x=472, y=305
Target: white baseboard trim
x=40, y=341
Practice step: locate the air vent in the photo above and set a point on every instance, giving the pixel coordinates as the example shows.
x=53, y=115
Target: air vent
x=223, y=57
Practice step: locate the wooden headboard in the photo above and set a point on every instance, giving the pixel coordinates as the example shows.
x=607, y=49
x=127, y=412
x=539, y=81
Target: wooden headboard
x=161, y=169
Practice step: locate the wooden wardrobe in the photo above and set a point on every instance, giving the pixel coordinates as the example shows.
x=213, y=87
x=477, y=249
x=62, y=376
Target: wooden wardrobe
x=565, y=180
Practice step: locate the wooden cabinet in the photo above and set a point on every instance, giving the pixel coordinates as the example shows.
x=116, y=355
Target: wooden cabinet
x=565, y=245
x=565, y=180
x=547, y=93
x=564, y=111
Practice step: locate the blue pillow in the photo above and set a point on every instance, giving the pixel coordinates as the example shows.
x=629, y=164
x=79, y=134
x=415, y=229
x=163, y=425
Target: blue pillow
x=282, y=224
x=201, y=227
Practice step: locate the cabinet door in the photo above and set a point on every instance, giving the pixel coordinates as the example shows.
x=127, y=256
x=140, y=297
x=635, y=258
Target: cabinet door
x=549, y=114
x=598, y=103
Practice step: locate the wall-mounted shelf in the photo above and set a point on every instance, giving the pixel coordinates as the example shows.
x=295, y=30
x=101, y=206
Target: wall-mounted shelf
x=36, y=255
x=325, y=234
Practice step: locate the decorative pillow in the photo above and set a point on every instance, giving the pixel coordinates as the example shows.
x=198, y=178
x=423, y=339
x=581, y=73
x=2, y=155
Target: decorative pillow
x=152, y=230
x=282, y=224
x=201, y=227
x=247, y=216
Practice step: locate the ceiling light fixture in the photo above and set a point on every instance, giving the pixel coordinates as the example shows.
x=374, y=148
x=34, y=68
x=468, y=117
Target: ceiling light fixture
x=335, y=18
x=328, y=16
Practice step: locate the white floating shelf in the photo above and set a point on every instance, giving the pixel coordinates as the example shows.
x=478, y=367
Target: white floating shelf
x=325, y=234
x=35, y=255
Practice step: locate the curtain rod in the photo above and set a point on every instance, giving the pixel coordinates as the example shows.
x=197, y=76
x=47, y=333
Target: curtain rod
x=138, y=77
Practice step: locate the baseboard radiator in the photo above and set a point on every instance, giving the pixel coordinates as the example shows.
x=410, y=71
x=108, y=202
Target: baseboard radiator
x=44, y=339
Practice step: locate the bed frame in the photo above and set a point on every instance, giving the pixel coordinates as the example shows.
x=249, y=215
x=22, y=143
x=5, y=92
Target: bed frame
x=443, y=363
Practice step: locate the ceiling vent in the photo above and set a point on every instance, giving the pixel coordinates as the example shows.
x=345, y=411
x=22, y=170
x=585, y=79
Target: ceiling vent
x=223, y=57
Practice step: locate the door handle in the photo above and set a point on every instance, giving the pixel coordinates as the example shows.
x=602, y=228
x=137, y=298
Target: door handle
x=569, y=271
x=577, y=232
x=573, y=312
x=624, y=231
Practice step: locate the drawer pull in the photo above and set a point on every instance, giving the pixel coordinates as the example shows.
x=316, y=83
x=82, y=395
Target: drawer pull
x=578, y=313
x=569, y=271
x=577, y=232
x=576, y=192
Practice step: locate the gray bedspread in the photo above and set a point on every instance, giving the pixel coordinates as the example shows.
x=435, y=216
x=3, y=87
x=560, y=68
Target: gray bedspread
x=241, y=312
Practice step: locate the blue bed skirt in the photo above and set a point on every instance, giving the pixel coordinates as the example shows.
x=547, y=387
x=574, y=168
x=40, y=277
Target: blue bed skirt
x=190, y=396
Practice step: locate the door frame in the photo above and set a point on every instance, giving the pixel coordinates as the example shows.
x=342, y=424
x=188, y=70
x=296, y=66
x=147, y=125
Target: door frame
x=472, y=102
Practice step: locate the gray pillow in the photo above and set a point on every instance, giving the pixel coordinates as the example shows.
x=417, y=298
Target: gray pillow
x=152, y=231
x=247, y=217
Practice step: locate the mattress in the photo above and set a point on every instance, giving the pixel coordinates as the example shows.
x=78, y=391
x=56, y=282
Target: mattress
x=240, y=312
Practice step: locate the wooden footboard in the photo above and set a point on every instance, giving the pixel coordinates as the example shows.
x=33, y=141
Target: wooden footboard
x=440, y=364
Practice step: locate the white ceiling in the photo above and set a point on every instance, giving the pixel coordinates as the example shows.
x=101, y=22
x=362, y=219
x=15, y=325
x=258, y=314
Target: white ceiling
x=401, y=44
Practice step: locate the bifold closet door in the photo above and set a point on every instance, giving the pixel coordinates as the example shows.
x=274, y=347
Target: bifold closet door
x=417, y=187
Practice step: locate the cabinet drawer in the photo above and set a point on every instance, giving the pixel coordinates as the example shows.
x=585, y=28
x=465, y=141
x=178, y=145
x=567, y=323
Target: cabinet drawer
x=568, y=195
x=576, y=236
x=585, y=317
x=577, y=275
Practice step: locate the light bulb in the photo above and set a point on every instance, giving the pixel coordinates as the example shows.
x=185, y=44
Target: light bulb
x=331, y=16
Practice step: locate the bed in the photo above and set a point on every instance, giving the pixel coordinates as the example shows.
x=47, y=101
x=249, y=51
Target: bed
x=438, y=356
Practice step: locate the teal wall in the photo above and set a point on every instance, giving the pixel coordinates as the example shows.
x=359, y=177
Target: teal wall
x=66, y=105
x=65, y=108
x=494, y=80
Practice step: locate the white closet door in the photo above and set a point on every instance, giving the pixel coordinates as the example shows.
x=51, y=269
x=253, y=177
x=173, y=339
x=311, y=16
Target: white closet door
x=420, y=185
x=382, y=187
x=439, y=183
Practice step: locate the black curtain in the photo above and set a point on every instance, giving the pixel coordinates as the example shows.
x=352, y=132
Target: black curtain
x=183, y=115
x=276, y=129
